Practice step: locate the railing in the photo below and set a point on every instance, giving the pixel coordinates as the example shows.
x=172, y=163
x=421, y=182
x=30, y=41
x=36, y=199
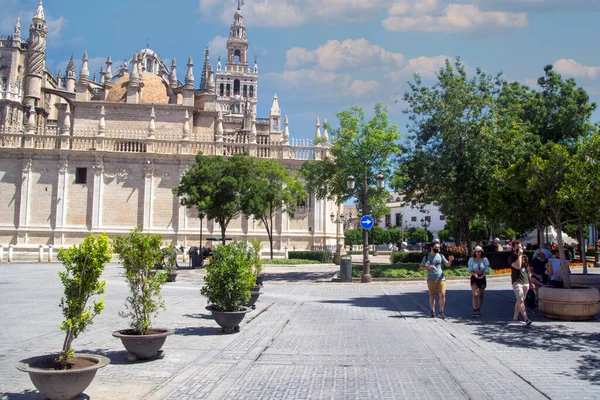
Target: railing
x=164, y=142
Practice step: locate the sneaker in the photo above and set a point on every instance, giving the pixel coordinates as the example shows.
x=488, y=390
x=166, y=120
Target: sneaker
x=442, y=315
x=474, y=313
x=432, y=315
x=478, y=313
x=528, y=322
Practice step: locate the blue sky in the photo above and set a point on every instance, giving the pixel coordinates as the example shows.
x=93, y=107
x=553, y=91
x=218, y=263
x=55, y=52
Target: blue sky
x=322, y=56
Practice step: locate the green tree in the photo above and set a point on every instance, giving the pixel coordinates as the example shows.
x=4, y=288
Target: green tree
x=479, y=231
x=352, y=237
x=453, y=125
x=215, y=186
x=84, y=265
x=444, y=235
x=271, y=189
x=395, y=235
x=419, y=235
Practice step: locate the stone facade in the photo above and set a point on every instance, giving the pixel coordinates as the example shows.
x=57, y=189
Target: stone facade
x=87, y=155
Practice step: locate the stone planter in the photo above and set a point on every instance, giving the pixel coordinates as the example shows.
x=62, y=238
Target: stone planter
x=62, y=384
x=171, y=277
x=576, y=304
x=228, y=320
x=259, y=279
x=254, y=293
x=146, y=346
x=589, y=280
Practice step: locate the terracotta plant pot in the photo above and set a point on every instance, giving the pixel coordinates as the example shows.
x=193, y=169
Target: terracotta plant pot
x=146, y=346
x=228, y=320
x=62, y=384
x=576, y=304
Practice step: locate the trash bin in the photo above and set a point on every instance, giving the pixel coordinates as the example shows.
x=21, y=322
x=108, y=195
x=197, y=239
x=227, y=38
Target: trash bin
x=346, y=269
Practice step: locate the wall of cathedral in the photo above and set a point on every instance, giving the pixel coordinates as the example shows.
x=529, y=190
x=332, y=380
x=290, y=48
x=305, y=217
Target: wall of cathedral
x=42, y=194
x=10, y=180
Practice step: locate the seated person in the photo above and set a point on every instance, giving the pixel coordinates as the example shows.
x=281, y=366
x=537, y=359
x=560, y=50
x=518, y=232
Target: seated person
x=553, y=270
x=537, y=269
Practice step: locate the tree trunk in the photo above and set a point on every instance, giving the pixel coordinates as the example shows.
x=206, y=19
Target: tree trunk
x=223, y=229
x=582, y=247
x=540, y=233
x=458, y=234
x=579, y=242
x=465, y=220
x=565, y=272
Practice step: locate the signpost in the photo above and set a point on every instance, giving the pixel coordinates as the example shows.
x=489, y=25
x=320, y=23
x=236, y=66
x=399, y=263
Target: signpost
x=366, y=222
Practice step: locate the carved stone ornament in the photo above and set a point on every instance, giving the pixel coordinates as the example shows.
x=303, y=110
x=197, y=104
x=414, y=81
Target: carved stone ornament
x=149, y=170
x=63, y=165
x=26, y=165
x=98, y=167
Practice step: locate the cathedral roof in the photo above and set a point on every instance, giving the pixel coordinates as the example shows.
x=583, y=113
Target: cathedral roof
x=153, y=91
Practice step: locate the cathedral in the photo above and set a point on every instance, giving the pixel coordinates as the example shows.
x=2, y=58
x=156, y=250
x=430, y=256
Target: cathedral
x=101, y=153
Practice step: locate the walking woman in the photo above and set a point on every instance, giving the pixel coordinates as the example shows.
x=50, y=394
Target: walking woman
x=479, y=267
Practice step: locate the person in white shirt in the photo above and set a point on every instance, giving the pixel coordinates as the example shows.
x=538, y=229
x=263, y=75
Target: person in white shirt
x=553, y=270
x=478, y=267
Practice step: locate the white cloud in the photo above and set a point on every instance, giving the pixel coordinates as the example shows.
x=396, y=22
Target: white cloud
x=432, y=16
x=292, y=13
x=426, y=67
x=361, y=88
x=572, y=68
x=335, y=55
x=540, y=5
x=218, y=46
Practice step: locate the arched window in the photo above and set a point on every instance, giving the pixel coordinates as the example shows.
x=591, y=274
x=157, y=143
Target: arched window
x=237, y=108
x=237, y=56
x=221, y=89
x=245, y=90
x=149, y=65
x=251, y=91
x=228, y=90
x=236, y=87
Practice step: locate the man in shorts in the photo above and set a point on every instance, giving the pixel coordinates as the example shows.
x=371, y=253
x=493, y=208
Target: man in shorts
x=519, y=278
x=436, y=282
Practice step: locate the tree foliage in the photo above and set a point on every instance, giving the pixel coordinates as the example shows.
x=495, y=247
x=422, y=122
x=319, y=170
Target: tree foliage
x=271, y=189
x=453, y=125
x=215, y=185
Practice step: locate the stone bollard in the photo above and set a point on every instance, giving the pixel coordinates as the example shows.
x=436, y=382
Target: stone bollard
x=11, y=249
x=1, y=253
x=41, y=256
x=50, y=251
x=184, y=250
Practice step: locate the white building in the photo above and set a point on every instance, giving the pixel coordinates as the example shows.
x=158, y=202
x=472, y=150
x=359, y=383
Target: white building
x=403, y=215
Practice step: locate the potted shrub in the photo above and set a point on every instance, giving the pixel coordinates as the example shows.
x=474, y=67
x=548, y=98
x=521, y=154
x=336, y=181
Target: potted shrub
x=259, y=277
x=68, y=374
x=138, y=253
x=170, y=262
x=228, y=280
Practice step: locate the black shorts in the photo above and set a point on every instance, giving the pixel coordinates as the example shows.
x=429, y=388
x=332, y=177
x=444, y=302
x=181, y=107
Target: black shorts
x=480, y=283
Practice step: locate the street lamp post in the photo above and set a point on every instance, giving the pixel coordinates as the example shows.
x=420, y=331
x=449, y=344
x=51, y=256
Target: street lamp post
x=339, y=251
x=351, y=182
x=425, y=225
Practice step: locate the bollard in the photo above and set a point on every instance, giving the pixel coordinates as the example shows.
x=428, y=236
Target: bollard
x=50, y=251
x=41, y=256
x=1, y=253
x=11, y=249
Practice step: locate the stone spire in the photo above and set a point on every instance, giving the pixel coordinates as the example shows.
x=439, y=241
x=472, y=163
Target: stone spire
x=66, y=125
x=253, y=129
x=212, y=86
x=134, y=78
x=39, y=12
x=189, y=77
x=275, y=110
x=95, y=78
x=70, y=76
x=108, y=75
x=59, y=80
x=255, y=69
x=102, y=75
x=220, y=130
x=186, y=125
x=36, y=57
x=219, y=64
x=173, y=74
x=206, y=72
x=17, y=32
x=325, y=132
x=84, y=74
x=102, y=123
x=318, y=129
x=286, y=131
x=151, y=125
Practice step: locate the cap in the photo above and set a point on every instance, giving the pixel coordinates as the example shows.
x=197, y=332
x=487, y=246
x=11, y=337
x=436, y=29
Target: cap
x=478, y=248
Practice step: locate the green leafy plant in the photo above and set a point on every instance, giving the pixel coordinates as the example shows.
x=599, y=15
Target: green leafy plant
x=138, y=252
x=323, y=256
x=229, y=277
x=170, y=259
x=84, y=265
x=258, y=263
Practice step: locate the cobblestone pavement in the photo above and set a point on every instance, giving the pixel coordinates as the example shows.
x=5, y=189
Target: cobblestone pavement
x=309, y=339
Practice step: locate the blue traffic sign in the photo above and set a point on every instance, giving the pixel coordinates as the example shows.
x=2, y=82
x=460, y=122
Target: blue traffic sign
x=366, y=222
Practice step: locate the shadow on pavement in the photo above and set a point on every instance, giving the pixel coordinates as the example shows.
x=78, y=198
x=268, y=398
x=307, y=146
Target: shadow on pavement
x=116, y=357
x=198, y=331
x=25, y=395
x=198, y=316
